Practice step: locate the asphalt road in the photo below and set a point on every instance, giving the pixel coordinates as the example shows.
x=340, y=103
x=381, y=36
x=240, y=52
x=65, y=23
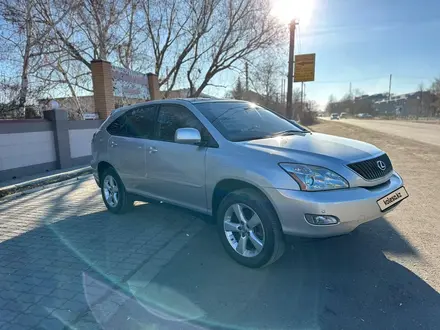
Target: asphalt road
x=66, y=263
x=422, y=132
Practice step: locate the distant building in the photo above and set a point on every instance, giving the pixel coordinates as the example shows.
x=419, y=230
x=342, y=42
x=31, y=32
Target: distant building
x=181, y=93
x=410, y=104
x=87, y=103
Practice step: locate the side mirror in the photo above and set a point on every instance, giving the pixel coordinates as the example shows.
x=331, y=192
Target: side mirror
x=187, y=136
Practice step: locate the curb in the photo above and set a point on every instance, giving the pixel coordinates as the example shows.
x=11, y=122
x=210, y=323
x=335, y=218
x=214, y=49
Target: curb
x=19, y=187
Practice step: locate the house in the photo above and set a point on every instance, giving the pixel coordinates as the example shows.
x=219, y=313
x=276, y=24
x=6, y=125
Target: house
x=410, y=104
x=87, y=103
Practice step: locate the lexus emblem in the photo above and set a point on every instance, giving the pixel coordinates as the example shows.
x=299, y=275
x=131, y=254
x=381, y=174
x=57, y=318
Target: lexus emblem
x=381, y=165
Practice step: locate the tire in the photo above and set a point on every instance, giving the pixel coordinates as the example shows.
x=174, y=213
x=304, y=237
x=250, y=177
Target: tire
x=241, y=242
x=123, y=201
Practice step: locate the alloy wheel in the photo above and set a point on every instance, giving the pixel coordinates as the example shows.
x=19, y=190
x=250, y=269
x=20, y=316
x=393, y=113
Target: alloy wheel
x=244, y=230
x=111, y=191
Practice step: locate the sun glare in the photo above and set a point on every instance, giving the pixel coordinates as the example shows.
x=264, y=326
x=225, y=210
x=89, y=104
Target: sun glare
x=287, y=10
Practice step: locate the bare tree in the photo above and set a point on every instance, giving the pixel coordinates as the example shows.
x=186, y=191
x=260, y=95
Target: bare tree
x=27, y=42
x=421, y=108
x=186, y=41
x=265, y=77
x=240, y=29
x=174, y=29
x=238, y=92
x=80, y=31
x=358, y=92
x=131, y=51
x=435, y=90
x=331, y=104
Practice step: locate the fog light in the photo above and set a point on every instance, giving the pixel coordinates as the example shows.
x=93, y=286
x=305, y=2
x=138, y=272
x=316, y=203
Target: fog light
x=321, y=220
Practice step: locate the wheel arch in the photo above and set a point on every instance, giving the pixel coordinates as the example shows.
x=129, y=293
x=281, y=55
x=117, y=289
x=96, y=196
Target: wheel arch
x=226, y=186
x=102, y=166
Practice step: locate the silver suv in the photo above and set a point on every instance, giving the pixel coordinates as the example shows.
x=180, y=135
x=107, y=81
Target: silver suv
x=258, y=174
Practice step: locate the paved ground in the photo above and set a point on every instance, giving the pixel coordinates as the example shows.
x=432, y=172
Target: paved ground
x=422, y=132
x=67, y=263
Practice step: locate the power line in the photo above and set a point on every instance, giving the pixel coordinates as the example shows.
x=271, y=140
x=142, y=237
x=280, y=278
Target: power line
x=372, y=78
x=348, y=80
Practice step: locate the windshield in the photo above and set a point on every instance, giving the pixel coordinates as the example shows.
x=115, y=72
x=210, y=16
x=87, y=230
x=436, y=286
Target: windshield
x=242, y=121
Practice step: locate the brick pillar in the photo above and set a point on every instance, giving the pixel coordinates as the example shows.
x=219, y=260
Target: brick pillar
x=103, y=88
x=153, y=86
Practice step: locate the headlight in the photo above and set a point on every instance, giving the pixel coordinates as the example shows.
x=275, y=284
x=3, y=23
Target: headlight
x=314, y=178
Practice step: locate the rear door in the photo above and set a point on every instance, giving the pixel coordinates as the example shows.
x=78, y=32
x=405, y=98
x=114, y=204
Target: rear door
x=127, y=147
x=177, y=171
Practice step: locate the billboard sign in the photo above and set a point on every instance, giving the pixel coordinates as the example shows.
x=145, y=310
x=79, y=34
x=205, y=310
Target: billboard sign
x=130, y=84
x=304, y=67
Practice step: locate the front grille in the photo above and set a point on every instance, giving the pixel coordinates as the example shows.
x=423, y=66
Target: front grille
x=369, y=169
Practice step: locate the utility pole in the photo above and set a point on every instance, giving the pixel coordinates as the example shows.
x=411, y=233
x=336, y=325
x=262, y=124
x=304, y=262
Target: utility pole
x=247, y=76
x=349, y=91
x=389, y=89
x=282, y=91
x=305, y=96
x=289, y=107
x=302, y=97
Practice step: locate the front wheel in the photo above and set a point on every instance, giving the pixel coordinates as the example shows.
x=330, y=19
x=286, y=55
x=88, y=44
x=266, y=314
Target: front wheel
x=249, y=228
x=113, y=192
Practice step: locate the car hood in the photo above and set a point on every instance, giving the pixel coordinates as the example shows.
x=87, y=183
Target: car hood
x=315, y=145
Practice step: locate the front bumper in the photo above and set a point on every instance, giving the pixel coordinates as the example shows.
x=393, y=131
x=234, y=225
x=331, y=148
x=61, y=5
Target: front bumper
x=352, y=206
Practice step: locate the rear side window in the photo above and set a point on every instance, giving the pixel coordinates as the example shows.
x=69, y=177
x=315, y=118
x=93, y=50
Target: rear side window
x=115, y=128
x=172, y=117
x=136, y=123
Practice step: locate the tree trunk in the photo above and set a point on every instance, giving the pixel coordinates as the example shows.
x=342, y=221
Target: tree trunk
x=24, y=84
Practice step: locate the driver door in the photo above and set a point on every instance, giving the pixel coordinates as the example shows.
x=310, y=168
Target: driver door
x=177, y=171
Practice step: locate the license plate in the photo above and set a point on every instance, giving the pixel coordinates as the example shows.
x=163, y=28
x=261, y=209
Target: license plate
x=395, y=197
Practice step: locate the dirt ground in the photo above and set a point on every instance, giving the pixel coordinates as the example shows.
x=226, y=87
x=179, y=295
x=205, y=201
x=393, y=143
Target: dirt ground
x=419, y=131
x=416, y=219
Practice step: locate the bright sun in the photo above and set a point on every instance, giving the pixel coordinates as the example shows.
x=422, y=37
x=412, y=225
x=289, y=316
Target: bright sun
x=287, y=10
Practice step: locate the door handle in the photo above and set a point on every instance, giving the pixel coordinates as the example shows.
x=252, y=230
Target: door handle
x=113, y=144
x=152, y=150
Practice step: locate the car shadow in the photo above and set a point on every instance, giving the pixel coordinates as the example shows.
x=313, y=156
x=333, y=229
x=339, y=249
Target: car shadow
x=345, y=282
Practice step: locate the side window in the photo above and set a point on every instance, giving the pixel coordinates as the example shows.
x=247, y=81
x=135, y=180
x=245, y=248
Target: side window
x=140, y=122
x=172, y=117
x=137, y=123
x=117, y=127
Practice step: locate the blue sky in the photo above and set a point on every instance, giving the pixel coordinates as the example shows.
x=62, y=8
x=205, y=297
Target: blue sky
x=365, y=41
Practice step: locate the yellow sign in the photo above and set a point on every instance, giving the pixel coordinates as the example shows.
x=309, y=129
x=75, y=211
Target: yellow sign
x=304, y=67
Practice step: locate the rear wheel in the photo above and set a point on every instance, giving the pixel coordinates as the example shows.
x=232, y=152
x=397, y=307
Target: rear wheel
x=115, y=197
x=249, y=228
